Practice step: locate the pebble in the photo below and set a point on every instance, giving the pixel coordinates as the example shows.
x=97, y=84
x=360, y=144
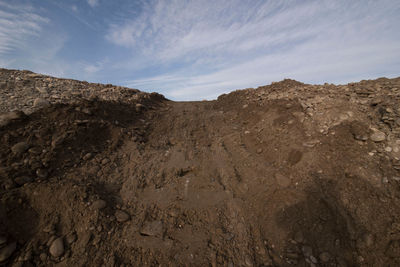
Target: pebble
x=259, y=151
x=324, y=256
x=99, y=204
x=245, y=106
x=5, y=119
x=388, y=149
x=313, y=259
x=153, y=228
x=7, y=251
x=40, y=102
x=19, y=148
x=378, y=136
x=71, y=238
x=105, y=161
x=121, y=216
x=57, y=248
x=87, y=156
x=139, y=107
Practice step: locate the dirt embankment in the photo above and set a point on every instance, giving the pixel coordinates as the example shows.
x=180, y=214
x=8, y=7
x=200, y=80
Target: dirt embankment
x=288, y=174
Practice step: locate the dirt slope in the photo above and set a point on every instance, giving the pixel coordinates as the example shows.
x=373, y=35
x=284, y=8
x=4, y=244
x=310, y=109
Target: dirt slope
x=283, y=175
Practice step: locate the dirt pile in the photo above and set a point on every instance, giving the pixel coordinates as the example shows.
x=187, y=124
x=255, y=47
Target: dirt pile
x=288, y=174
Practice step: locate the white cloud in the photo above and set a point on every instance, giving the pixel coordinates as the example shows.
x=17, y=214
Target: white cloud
x=93, y=3
x=209, y=47
x=74, y=8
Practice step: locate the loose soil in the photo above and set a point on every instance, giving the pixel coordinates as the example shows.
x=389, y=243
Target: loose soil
x=288, y=174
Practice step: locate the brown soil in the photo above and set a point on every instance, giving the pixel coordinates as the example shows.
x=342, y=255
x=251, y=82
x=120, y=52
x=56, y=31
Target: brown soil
x=283, y=175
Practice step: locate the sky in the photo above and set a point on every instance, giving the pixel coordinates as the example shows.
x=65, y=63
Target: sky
x=195, y=50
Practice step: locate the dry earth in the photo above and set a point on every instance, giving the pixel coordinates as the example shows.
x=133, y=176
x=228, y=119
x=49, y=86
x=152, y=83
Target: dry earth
x=288, y=174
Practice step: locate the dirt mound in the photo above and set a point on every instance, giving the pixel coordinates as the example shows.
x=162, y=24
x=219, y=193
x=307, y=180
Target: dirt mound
x=288, y=174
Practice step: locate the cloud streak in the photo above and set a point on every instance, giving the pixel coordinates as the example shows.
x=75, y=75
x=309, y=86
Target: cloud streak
x=210, y=47
x=17, y=24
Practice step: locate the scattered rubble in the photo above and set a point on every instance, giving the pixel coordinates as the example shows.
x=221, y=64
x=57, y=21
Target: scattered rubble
x=288, y=174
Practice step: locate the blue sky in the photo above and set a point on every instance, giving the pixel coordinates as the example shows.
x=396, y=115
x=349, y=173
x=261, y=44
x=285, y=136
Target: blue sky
x=193, y=50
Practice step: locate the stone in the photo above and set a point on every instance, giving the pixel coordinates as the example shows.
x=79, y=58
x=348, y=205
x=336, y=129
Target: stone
x=139, y=107
x=361, y=137
x=87, y=156
x=19, y=148
x=325, y=256
x=154, y=228
x=105, y=161
x=259, y=151
x=40, y=103
x=245, y=106
x=99, y=204
x=121, y=216
x=388, y=149
x=71, y=238
x=6, y=118
x=7, y=251
x=282, y=180
x=35, y=150
x=378, y=136
x=23, y=180
x=57, y=248
x=313, y=259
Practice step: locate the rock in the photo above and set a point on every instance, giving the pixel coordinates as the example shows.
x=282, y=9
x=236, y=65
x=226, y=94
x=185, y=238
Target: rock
x=5, y=119
x=19, y=148
x=121, y=216
x=105, y=161
x=43, y=257
x=40, y=103
x=282, y=180
x=87, y=156
x=361, y=137
x=388, y=149
x=378, y=136
x=313, y=259
x=35, y=150
x=259, y=151
x=154, y=228
x=99, y=204
x=57, y=248
x=23, y=180
x=7, y=251
x=245, y=106
x=71, y=238
x=324, y=256
x=139, y=107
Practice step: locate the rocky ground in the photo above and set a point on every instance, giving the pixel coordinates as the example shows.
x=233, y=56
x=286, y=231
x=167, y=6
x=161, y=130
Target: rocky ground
x=288, y=174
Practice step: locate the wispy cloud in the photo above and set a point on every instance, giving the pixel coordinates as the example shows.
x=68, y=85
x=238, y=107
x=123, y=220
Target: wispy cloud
x=209, y=47
x=17, y=24
x=93, y=3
